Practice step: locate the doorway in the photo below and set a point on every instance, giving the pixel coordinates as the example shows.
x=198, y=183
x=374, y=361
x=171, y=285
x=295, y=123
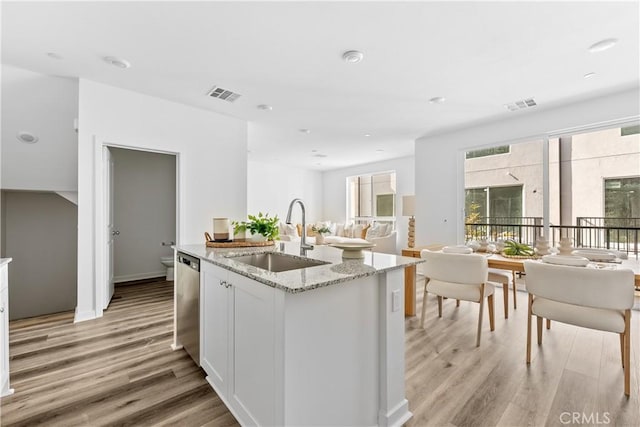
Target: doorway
x=141, y=215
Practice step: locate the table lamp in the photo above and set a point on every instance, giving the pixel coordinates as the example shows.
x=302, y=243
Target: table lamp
x=409, y=209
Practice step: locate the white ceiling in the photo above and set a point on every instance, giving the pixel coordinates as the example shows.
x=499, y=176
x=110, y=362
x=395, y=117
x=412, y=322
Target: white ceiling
x=479, y=55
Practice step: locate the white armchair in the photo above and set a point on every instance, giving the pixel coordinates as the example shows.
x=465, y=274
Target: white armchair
x=582, y=296
x=385, y=244
x=461, y=277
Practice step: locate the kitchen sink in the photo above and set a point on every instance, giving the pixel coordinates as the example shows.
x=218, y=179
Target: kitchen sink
x=277, y=262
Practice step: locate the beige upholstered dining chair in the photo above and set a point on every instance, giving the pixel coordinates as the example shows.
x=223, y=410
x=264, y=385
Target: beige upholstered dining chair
x=460, y=277
x=582, y=296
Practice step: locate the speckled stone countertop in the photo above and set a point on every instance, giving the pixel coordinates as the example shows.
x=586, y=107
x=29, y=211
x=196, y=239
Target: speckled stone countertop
x=338, y=270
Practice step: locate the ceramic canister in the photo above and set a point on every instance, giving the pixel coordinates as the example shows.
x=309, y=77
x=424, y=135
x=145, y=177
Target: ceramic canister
x=221, y=228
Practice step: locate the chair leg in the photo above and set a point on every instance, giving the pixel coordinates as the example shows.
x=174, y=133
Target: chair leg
x=457, y=303
x=515, y=304
x=548, y=323
x=505, y=292
x=480, y=315
x=627, y=352
x=529, y=314
x=439, y=306
x=539, y=320
x=424, y=304
x=622, y=348
x=492, y=323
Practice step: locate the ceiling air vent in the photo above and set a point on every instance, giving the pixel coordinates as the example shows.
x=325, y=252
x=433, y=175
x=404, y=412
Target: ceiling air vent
x=519, y=105
x=224, y=94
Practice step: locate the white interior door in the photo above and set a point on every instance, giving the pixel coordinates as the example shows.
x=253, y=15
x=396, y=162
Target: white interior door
x=111, y=231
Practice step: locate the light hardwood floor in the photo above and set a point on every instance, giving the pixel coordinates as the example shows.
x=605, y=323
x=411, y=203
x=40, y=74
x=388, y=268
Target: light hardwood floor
x=116, y=370
x=120, y=370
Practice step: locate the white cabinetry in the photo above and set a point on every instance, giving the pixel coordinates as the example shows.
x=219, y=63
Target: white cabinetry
x=4, y=329
x=329, y=356
x=214, y=327
x=238, y=351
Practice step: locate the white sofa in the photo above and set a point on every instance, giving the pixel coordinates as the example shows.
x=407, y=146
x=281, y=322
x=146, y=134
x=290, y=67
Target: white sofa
x=380, y=234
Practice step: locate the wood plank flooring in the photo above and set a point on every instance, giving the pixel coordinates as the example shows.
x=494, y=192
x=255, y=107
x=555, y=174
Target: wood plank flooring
x=450, y=382
x=116, y=370
x=120, y=370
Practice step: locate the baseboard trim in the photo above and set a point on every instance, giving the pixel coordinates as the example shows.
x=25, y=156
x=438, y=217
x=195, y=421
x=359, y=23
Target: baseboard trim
x=397, y=416
x=139, y=276
x=82, y=316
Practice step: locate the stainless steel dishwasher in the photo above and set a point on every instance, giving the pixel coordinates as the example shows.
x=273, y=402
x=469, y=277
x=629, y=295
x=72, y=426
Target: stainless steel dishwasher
x=188, y=304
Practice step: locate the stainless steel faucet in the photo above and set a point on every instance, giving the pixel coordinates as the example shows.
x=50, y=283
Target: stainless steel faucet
x=303, y=239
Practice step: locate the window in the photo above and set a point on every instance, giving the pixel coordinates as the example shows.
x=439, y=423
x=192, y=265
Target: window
x=630, y=130
x=494, y=202
x=622, y=198
x=491, y=151
x=371, y=197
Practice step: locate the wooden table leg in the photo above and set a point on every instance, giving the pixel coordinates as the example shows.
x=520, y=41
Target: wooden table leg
x=410, y=290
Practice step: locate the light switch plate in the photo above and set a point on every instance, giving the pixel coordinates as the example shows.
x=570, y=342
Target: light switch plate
x=395, y=300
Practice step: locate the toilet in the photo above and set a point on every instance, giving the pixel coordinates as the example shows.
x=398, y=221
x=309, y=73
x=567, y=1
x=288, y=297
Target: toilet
x=167, y=261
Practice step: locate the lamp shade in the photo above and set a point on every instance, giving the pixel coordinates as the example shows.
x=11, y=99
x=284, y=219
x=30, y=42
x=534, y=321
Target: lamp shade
x=408, y=205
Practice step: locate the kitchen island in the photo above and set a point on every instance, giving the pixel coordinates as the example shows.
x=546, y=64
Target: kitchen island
x=320, y=345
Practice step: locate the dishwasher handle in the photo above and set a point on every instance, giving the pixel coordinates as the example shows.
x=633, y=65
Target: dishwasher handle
x=189, y=261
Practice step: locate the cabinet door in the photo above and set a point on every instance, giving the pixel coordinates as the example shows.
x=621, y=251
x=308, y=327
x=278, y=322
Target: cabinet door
x=253, y=355
x=215, y=326
x=4, y=340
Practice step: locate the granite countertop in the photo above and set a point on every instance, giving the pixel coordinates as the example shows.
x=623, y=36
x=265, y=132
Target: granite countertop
x=338, y=270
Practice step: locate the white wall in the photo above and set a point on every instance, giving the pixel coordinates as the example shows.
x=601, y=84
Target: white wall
x=212, y=170
x=270, y=189
x=45, y=106
x=439, y=158
x=335, y=197
x=144, y=211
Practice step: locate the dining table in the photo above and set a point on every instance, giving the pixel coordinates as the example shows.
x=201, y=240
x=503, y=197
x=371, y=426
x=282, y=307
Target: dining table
x=515, y=265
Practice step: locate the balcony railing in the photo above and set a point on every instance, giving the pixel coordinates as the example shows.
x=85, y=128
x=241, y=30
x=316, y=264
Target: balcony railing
x=591, y=232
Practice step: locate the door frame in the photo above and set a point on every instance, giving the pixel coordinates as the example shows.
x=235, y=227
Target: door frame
x=102, y=204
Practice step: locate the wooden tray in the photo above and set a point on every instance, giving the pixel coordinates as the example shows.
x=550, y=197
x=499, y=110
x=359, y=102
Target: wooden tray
x=238, y=243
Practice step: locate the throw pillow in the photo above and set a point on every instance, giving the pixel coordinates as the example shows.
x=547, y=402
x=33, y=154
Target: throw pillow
x=363, y=234
x=348, y=230
x=357, y=231
x=339, y=230
x=288, y=229
x=375, y=230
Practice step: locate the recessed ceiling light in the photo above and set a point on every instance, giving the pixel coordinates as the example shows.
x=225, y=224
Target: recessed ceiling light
x=352, y=56
x=117, y=62
x=437, y=100
x=320, y=155
x=602, y=45
x=589, y=75
x=314, y=151
x=379, y=150
x=304, y=130
x=54, y=55
x=264, y=107
x=27, y=137
x=367, y=135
